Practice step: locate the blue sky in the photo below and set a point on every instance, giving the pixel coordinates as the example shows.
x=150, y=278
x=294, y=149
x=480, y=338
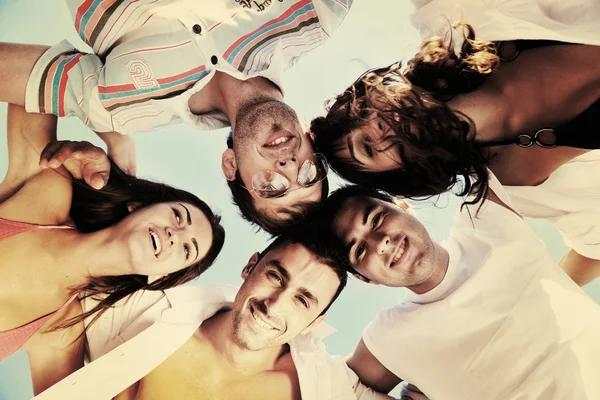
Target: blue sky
x=376, y=32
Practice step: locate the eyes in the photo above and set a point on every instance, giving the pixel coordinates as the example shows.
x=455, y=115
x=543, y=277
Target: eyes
x=178, y=220
x=279, y=281
x=367, y=148
x=361, y=249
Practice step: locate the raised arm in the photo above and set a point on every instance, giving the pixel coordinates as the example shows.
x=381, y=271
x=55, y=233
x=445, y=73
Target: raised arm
x=27, y=136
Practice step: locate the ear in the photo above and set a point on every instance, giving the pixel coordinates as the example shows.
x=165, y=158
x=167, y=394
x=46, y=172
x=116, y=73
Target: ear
x=229, y=164
x=251, y=264
x=362, y=278
x=311, y=135
x=313, y=324
x=131, y=207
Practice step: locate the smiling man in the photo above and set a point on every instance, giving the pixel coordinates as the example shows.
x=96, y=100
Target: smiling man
x=488, y=314
x=230, y=57
x=262, y=341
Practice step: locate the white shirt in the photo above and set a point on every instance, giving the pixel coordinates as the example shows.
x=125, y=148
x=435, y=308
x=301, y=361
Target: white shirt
x=321, y=376
x=573, y=21
x=569, y=200
x=505, y=323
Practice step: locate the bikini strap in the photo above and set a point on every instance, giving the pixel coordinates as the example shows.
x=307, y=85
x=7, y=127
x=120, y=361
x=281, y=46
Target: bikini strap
x=526, y=140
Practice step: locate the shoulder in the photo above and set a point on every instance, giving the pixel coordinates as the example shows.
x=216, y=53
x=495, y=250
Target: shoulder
x=44, y=199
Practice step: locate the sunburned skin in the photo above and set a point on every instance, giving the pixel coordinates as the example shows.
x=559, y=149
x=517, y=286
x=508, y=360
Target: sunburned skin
x=198, y=371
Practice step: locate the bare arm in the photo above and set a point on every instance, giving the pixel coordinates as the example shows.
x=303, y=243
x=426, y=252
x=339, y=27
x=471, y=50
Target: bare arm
x=16, y=64
x=370, y=371
x=581, y=269
x=27, y=135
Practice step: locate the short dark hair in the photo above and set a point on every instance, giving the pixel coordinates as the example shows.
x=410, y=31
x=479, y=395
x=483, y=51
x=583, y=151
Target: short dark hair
x=242, y=198
x=333, y=204
x=326, y=248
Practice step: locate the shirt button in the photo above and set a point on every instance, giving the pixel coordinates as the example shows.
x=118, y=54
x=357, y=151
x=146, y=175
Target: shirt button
x=197, y=29
x=214, y=60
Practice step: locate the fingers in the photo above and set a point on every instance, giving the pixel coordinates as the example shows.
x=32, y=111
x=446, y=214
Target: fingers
x=97, y=180
x=48, y=153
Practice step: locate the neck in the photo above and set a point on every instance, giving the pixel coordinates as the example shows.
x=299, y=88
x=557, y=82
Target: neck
x=441, y=262
x=218, y=330
x=228, y=94
x=90, y=255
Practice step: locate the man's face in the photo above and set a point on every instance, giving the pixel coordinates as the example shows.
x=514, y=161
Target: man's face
x=283, y=294
x=385, y=244
x=269, y=136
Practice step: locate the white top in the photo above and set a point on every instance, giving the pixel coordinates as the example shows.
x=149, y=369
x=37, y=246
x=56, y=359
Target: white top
x=505, y=323
x=126, y=333
x=572, y=21
x=132, y=83
x=569, y=199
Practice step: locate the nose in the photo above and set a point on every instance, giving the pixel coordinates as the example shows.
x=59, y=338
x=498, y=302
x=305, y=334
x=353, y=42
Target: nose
x=380, y=242
x=288, y=166
x=171, y=237
x=275, y=303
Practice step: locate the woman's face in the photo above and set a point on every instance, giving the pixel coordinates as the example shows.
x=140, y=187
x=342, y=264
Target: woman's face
x=371, y=147
x=164, y=238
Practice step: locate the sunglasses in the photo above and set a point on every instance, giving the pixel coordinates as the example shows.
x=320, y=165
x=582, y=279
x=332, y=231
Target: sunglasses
x=268, y=184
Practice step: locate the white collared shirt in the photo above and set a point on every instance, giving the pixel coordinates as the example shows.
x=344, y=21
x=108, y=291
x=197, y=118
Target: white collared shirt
x=321, y=376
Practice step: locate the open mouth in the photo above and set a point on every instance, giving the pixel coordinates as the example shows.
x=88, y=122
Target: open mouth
x=260, y=320
x=399, y=252
x=278, y=140
x=156, y=243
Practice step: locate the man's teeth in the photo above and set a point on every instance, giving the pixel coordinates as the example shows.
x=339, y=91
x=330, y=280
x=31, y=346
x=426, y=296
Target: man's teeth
x=155, y=242
x=279, y=141
x=261, y=322
x=400, y=251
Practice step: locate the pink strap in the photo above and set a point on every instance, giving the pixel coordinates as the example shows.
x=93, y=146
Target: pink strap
x=14, y=339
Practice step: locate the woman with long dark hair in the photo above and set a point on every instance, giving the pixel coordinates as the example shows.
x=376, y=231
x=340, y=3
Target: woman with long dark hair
x=62, y=241
x=476, y=115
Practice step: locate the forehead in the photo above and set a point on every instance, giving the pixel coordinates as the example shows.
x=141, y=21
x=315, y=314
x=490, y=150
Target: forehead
x=352, y=212
x=303, y=268
x=280, y=208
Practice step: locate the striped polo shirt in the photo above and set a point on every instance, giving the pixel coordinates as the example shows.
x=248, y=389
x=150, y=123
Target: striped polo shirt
x=151, y=56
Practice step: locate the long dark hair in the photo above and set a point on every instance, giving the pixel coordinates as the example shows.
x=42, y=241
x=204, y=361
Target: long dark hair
x=436, y=144
x=93, y=210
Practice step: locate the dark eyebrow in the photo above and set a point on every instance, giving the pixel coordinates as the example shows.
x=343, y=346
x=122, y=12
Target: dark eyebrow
x=309, y=296
x=195, y=243
x=351, y=149
x=280, y=269
x=367, y=211
x=189, y=218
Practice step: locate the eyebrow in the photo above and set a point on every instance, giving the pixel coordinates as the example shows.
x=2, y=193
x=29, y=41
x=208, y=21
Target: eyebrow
x=351, y=149
x=286, y=276
x=366, y=212
x=189, y=217
x=189, y=221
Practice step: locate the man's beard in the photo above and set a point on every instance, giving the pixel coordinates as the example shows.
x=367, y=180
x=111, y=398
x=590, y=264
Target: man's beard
x=259, y=116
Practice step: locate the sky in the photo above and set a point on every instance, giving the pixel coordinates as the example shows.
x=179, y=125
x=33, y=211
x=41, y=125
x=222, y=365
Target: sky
x=375, y=33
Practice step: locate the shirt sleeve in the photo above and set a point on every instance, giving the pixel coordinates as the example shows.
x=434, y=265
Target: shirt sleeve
x=65, y=82
x=121, y=322
x=331, y=13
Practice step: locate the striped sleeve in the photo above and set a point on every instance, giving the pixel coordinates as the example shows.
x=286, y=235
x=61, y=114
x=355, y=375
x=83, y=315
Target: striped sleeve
x=64, y=82
x=332, y=13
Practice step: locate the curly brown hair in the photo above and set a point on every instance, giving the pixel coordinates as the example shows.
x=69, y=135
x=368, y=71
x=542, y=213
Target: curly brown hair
x=436, y=144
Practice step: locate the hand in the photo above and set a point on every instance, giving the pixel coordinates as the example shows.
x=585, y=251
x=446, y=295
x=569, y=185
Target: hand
x=82, y=159
x=121, y=148
x=411, y=392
